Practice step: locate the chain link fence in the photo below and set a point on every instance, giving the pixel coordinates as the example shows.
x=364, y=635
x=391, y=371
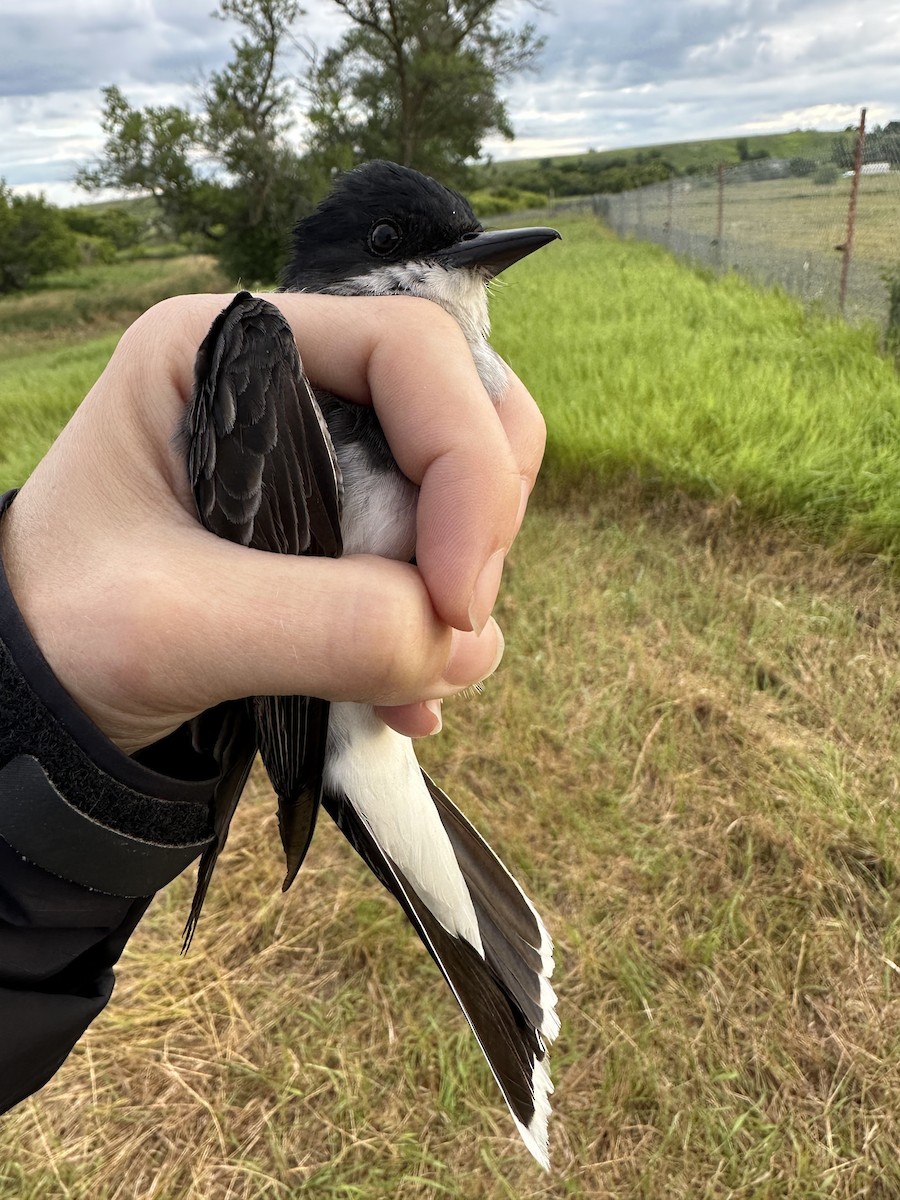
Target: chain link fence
x=777, y=226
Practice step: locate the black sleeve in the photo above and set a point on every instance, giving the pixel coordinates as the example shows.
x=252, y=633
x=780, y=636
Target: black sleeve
x=87, y=835
x=58, y=944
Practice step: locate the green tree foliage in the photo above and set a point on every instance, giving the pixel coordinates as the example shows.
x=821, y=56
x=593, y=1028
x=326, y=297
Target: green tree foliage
x=504, y=200
x=882, y=144
x=745, y=154
x=148, y=150
x=34, y=240
x=117, y=226
x=227, y=174
x=826, y=174
x=801, y=166
x=579, y=175
x=247, y=109
x=416, y=81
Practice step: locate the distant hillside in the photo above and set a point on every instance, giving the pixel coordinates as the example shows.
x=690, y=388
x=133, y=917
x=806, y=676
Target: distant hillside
x=616, y=170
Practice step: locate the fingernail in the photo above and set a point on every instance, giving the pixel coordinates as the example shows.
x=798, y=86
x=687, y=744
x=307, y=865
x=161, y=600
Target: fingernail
x=434, y=707
x=461, y=670
x=485, y=591
x=523, y=504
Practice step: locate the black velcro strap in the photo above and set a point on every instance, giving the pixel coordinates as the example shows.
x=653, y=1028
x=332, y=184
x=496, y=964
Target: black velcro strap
x=43, y=827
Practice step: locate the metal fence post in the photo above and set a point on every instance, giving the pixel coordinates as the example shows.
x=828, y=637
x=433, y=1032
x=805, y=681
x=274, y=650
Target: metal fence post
x=720, y=216
x=851, y=211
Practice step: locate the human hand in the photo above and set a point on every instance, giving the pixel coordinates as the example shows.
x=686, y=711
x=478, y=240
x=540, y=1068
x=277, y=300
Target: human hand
x=147, y=619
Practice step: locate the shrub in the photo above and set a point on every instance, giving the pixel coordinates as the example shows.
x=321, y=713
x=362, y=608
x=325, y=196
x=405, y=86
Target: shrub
x=495, y=201
x=34, y=240
x=94, y=251
x=827, y=173
x=116, y=225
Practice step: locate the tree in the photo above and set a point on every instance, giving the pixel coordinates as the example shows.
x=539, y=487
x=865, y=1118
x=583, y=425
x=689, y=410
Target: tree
x=148, y=150
x=248, y=108
x=226, y=174
x=416, y=81
x=881, y=145
x=801, y=166
x=34, y=240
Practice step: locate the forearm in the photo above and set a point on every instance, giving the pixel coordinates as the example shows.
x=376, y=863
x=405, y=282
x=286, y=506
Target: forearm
x=87, y=835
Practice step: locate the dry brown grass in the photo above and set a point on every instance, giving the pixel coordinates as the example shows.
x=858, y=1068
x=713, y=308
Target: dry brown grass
x=690, y=756
x=82, y=304
x=793, y=214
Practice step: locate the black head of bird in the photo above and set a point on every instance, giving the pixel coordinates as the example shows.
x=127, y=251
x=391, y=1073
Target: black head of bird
x=387, y=230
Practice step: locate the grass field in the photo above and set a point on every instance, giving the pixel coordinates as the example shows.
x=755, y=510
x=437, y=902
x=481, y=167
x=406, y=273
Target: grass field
x=690, y=754
x=785, y=230
x=78, y=304
x=792, y=214
x=708, y=386
x=55, y=342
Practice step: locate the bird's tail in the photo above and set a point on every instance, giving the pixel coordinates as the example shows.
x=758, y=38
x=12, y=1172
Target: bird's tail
x=510, y=988
x=497, y=956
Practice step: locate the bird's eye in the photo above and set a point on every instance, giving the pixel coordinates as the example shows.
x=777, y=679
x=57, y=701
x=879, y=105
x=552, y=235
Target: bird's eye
x=384, y=237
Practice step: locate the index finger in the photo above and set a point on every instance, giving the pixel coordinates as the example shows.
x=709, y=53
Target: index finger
x=526, y=431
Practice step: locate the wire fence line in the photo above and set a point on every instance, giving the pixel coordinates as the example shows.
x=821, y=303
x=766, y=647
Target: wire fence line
x=781, y=228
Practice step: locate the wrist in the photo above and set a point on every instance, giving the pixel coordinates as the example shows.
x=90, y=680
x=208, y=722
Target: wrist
x=77, y=637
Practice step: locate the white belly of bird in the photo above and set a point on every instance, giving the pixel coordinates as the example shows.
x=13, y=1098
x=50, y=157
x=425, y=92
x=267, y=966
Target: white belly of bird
x=372, y=765
x=376, y=769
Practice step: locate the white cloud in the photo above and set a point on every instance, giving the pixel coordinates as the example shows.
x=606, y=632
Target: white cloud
x=614, y=73
x=815, y=116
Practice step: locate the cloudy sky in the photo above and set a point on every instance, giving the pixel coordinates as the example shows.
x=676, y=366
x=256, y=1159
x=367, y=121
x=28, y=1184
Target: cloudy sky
x=614, y=72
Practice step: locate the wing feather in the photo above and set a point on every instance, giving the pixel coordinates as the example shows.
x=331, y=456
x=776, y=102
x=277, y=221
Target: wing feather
x=264, y=474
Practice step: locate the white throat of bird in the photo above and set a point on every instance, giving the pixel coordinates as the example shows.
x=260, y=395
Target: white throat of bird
x=461, y=291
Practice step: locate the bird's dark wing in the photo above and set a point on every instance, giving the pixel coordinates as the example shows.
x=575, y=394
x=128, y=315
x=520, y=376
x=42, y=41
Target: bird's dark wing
x=260, y=458
x=263, y=473
x=227, y=735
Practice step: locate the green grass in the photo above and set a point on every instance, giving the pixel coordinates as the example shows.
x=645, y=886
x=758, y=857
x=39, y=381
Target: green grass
x=79, y=303
x=686, y=381
x=690, y=754
x=50, y=351
x=38, y=393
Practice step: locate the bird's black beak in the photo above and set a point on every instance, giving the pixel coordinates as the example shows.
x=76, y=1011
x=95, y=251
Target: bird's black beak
x=496, y=249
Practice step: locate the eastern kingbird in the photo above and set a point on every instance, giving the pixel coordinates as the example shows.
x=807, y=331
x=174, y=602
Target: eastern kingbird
x=279, y=466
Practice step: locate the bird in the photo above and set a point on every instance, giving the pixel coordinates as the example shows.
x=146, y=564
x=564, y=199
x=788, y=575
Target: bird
x=279, y=465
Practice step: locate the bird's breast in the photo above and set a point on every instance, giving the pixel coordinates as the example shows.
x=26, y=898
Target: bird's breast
x=378, y=513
